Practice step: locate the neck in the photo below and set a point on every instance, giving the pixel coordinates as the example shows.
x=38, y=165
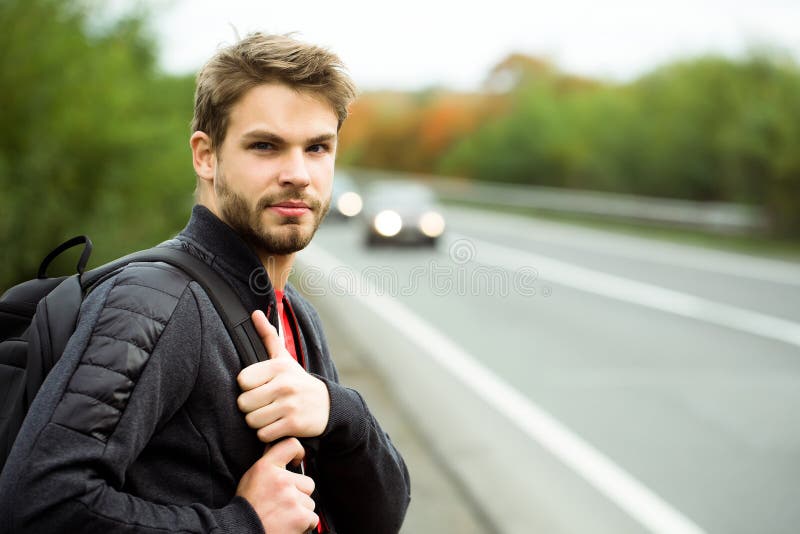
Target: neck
x=278, y=268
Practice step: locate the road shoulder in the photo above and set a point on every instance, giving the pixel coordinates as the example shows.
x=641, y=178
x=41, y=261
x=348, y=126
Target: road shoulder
x=438, y=503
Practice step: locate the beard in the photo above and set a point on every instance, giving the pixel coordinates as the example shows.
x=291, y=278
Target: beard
x=284, y=237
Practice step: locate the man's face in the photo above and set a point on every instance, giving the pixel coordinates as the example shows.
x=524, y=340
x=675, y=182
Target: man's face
x=274, y=171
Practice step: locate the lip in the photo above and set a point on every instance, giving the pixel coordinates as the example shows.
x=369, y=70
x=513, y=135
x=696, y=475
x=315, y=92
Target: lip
x=290, y=204
x=290, y=208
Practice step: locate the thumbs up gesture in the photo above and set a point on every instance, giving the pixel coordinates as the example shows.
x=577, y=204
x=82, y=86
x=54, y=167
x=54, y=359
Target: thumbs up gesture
x=280, y=398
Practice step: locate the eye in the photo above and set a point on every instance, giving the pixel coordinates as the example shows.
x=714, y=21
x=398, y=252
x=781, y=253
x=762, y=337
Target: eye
x=319, y=148
x=262, y=145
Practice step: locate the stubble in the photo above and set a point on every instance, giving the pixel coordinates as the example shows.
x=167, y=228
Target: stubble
x=284, y=237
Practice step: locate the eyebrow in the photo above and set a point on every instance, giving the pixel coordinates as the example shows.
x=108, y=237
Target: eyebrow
x=265, y=135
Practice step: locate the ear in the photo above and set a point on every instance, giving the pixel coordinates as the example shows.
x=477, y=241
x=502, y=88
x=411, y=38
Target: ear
x=204, y=158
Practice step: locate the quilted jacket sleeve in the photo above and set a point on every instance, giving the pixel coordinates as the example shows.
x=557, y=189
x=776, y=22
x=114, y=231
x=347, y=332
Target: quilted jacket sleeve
x=98, y=408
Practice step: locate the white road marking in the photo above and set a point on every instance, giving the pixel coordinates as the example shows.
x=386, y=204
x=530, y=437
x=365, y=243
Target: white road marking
x=626, y=246
x=640, y=293
x=598, y=470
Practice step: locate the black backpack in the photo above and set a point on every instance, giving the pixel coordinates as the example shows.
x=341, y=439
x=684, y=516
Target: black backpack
x=38, y=317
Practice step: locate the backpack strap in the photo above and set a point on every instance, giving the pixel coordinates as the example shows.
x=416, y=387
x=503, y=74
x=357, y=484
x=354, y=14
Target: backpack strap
x=230, y=308
x=78, y=240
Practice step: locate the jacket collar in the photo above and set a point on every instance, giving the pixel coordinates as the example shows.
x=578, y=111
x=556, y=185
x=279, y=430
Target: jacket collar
x=230, y=255
x=221, y=247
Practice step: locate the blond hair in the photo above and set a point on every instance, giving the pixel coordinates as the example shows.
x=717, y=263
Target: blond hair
x=259, y=59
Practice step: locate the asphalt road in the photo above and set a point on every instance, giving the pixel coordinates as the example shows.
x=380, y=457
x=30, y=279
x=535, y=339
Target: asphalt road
x=676, y=371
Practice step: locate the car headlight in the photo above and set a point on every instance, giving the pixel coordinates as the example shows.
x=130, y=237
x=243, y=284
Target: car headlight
x=349, y=204
x=388, y=223
x=431, y=224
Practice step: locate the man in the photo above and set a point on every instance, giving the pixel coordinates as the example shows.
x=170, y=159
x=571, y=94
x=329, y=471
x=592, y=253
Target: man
x=148, y=423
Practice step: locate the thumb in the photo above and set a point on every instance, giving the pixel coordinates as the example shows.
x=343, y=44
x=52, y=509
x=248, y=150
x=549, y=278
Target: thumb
x=269, y=336
x=284, y=452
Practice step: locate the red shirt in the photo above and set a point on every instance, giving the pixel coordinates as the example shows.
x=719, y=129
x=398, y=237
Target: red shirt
x=289, y=341
x=288, y=334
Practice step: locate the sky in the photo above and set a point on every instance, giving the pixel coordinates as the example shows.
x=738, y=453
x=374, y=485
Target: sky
x=414, y=44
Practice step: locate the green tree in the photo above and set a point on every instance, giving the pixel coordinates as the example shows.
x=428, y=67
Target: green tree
x=708, y=129
x=93, y=135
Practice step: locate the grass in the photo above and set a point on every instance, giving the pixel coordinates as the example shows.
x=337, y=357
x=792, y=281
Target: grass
x=758, y=245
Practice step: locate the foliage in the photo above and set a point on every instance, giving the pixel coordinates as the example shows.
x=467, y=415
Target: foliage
x=93, y=137
x=405, y=131
x=708, y=129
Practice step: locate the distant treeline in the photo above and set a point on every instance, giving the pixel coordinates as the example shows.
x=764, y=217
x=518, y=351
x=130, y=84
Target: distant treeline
x=709, y=129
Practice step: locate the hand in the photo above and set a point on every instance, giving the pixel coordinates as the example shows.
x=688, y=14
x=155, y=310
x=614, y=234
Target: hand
x=280, y=398
x=281, y=499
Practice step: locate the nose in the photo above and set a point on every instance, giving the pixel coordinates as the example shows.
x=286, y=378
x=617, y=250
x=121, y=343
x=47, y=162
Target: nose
x=294, y=171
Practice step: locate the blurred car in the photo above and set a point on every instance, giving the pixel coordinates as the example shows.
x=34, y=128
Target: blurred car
x=402, y=212
x=346, y=201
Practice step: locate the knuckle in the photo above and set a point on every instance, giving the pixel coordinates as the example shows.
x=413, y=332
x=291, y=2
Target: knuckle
x=289, y=425
x=279, y=387
x=294, y=446
x=287, y=388
x=265, y=435
x=261, y=467
x=282, y=482
x=299, y=448
x=290, y=406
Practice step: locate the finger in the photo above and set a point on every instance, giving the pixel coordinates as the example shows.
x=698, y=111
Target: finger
x=313, y=522
x=268, y=334
x=284, y=452
x=264, y=416
x=255, y=375
x=256, y=397
x=306, y=502
x=275, y=431
x=303, y=483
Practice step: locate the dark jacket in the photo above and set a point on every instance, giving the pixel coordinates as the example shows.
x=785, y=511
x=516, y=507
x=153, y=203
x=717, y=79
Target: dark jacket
x=137, y=429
